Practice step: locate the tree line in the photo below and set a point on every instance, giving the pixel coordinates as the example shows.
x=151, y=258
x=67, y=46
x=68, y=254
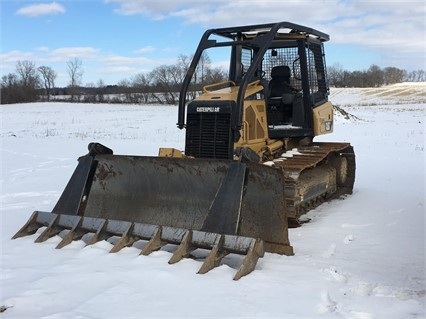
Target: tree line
x=30, y=83
x=374, y=76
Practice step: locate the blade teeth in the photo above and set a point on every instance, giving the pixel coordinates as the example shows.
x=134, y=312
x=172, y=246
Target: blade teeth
x=255, y=251
x=215, y=256
x=155, y=243
x=126, y=239
x=221, y=245
x=184, y=249
x=101, y=233
x=76, y=233
x=50, y=231
x=30, y=227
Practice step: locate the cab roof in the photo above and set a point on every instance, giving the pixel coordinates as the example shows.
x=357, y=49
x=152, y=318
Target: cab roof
x=281, y=29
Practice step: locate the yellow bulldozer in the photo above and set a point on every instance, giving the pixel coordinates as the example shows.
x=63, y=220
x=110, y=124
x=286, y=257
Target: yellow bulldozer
x=249, y=169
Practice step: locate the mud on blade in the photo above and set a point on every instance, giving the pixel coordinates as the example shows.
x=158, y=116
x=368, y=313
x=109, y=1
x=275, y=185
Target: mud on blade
x=221, y=196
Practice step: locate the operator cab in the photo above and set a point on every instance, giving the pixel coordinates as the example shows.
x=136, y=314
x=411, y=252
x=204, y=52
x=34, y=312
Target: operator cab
x=275, y=88
x=294, y=88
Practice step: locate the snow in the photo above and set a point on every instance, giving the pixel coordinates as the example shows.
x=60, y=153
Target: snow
x=362, y=256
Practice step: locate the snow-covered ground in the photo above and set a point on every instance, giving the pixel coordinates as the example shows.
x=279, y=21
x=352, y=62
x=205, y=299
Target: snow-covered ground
x=359, y=257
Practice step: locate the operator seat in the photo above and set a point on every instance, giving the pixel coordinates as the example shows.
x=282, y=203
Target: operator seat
x=280, y=81
x=281, y=96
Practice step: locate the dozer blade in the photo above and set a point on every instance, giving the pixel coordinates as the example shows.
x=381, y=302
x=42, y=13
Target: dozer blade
x=221, y=205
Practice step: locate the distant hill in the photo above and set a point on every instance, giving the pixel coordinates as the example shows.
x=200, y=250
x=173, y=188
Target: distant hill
x=401, y=93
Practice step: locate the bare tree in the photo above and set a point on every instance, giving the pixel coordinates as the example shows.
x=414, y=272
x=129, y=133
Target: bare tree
x=416, y=76
x=215, y=75
x=10, y=89
x=335, y=74
x=49, y=77
x=9, y=80
x=125, y=87
x=184, y=61
x=393, y=75
x=203, y=67
x=75, y=72
x=100, y=91
x=168, y=79
x=374, y=76
x=141, y=83
x=27, y=73
x=29, y=79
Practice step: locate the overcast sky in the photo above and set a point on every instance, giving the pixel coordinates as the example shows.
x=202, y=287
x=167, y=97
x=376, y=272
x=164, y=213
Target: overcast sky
x=116, y=39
